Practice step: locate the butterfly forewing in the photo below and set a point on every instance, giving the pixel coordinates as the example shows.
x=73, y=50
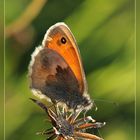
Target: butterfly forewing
x=67, y=49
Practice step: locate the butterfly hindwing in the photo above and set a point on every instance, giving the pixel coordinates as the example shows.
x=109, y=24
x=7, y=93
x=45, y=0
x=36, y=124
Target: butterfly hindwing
x=52, y=76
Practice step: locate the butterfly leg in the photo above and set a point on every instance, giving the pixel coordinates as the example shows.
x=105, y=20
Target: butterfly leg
x=73, y=116
x=84, y=120
x=64, y=112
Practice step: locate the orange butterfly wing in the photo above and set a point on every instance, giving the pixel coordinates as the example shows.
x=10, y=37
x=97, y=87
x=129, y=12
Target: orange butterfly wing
x=60, y=39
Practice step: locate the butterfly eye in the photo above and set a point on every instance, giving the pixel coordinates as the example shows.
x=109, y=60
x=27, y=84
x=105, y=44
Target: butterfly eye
x=63, y=40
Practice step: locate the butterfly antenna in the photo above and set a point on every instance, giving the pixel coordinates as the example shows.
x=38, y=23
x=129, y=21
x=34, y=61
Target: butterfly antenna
x=94, y=105
x=100, y=133
x=107, y=101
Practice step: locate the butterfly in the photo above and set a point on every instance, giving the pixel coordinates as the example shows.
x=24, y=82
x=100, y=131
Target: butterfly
x=56, y=71
x=56, y=74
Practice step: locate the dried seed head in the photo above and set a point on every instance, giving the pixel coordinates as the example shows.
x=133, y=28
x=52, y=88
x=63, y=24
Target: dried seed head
x=67, y=125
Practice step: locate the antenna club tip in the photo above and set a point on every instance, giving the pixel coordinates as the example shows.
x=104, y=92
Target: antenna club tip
x=104, y=123
x=38, y=133
x=96, y=108
x=91, y=119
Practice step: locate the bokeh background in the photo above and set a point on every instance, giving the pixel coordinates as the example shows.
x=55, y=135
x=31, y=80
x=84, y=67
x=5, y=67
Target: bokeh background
x=104, y=31
x=1, y=70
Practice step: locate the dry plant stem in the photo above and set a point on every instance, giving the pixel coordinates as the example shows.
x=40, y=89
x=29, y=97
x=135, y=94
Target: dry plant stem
x=87, y=136
x=87, y=125
x=52, y=137
x=48, y=132
x=60, y=138
x=26, y=18
x=69, y=128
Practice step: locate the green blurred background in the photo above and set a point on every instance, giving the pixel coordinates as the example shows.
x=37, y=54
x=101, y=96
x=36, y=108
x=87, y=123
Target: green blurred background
x=104, y=31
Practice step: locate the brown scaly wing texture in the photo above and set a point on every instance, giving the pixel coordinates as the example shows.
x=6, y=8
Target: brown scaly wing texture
x=51, y=76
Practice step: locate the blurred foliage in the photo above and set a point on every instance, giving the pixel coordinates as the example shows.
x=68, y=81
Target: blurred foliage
x=2, y=69
x=137, y=68
x=104, y=31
